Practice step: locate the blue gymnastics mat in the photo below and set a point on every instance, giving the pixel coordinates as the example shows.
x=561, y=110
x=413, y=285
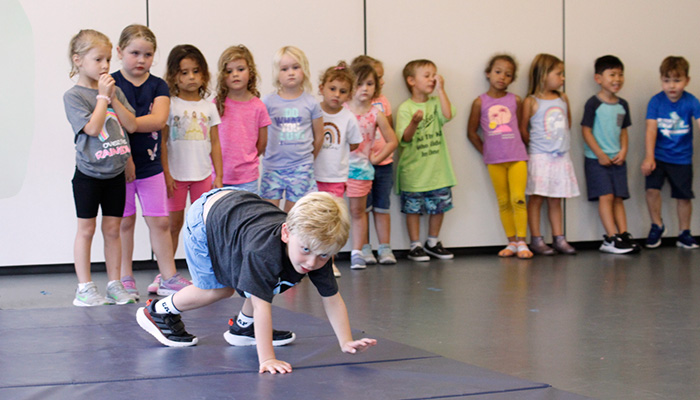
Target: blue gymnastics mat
x=101, y=352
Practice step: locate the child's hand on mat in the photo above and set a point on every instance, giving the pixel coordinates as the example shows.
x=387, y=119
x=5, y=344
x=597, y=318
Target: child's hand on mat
x=274, y=366
x=358, y=345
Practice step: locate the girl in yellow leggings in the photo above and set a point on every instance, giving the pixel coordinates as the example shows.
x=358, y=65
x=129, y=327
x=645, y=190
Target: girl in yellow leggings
x=497, y=113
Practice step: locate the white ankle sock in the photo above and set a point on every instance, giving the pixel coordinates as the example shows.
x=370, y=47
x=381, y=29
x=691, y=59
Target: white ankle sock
x=166, y=306
x=243, y=320
x=432, y=241
x=416, y=244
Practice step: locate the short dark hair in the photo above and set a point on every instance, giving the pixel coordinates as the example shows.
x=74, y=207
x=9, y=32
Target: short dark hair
x=607, y=62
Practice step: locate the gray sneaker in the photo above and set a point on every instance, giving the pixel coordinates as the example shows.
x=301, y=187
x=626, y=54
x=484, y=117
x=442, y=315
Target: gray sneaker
x=88, y=297
x=386, y=256
x=357, y=262
x=116, y=292
x=368, y=255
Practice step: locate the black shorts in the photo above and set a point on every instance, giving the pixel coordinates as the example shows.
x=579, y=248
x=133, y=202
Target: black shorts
x=91, y=193
x=680, y=177
x=602, y=180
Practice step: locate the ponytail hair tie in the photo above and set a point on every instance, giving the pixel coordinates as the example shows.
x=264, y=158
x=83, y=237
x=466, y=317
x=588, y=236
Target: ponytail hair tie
x=339, y=68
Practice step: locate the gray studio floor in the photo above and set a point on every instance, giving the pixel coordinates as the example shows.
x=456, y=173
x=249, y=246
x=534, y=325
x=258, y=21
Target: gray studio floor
x=605, y=326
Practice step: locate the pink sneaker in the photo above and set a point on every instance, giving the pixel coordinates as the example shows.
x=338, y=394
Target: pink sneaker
x=130, y=285
x=153, y=287
x=172, y=285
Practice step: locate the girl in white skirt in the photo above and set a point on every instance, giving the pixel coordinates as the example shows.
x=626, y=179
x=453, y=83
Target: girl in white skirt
x=545, y=125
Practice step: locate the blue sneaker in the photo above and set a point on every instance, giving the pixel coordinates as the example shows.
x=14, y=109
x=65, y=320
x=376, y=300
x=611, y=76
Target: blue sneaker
x=686, y=241
x=654, y=238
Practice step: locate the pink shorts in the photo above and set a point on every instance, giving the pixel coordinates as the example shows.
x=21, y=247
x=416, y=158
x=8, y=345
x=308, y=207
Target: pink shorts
x=152, y=196
x=357, y=188
x=196, y=189
x=337, y=189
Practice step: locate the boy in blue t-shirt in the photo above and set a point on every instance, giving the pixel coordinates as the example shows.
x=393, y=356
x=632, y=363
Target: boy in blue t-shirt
x=604, y=127
x=669, y=150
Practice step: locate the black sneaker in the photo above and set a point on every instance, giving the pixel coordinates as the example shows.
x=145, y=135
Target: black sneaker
x=166, y=328
x=239, y=336
x=418, y=254
x=627, y=238
x=438, y=251
x=615, y=245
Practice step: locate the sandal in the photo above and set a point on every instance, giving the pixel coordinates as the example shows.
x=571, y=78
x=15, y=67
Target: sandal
x=509, y=251
x=523, y=250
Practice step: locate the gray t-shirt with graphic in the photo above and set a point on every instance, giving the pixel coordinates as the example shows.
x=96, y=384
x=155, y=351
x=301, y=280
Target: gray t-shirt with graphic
x=104, y=156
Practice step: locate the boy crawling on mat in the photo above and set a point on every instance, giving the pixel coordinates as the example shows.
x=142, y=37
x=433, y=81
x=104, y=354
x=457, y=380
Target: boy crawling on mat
x=235, y=241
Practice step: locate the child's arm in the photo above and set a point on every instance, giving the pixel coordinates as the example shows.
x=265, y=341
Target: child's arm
x=445, y=103
x=354, y=146
x=620, y=158
x=338, y=316
x=169, y=181
x=412, y=126
x=389, y=136
x=568, y=108
x=261, y=144
x=130, y=170
x=317, y=127
x=262, y=313
x=156, y=120
x=216, y=157
x=473, y=126
x=588, y=137
x=529, y=108
x=105, y=87
x=126, y=117
x=649, y=163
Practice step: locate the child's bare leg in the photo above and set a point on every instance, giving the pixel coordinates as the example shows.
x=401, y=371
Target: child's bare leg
x=276, y=202
x=192, y=297
x=413, y=227
x=113, y=246
x=358, y=220
x=685, y=210
x=288, y=205
x=82, y=246
x=606, y=211
x=534, y=207
x=177, y=218
x=382, y=224
x=653, y=197
x=435, y=224
x=620, y=215
x=555, y=215
x=126, y=231
x=161, y=242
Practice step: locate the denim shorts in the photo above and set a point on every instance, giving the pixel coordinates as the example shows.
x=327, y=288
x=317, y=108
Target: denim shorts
x=601, y=180
x=379, y=199
x=436, y=201
x=296, y=182
x=197, y=247
x=679, y=176
x=251, y=186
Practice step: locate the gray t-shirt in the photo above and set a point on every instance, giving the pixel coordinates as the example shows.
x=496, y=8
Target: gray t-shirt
x=104, y=156
x=247, y=252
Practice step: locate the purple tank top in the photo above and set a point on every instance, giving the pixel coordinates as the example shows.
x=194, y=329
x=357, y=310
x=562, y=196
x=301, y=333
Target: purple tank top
x=499, y=124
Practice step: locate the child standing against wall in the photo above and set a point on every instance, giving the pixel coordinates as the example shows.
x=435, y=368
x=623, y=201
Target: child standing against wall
x=296, y=134
x=545, y=124
x=99, y=113
x=604, y=127
x=669, y=150
x=498, y=112
x=424, y=172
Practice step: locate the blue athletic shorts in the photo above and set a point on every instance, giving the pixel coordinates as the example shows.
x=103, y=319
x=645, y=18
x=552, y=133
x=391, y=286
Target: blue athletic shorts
x=679, y=176
x=602, y=180
x=436, y=201
x=296, y=182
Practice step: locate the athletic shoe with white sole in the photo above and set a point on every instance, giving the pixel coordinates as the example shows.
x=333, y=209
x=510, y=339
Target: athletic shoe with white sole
x=615, y=245
x=117, y=293
x=130, y=286
x=172, y=285
x=89, y=297
x=385, y=255
x=368, y=255
x=239, y=336
x=168, y=329
x=686, y=240
x=438, y=251
x=357, y=261
x=153, y=286
x=654, y=238
x=418, y=254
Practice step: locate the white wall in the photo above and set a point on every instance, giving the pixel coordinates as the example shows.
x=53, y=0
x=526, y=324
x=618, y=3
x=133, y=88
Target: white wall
x=37, y=217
